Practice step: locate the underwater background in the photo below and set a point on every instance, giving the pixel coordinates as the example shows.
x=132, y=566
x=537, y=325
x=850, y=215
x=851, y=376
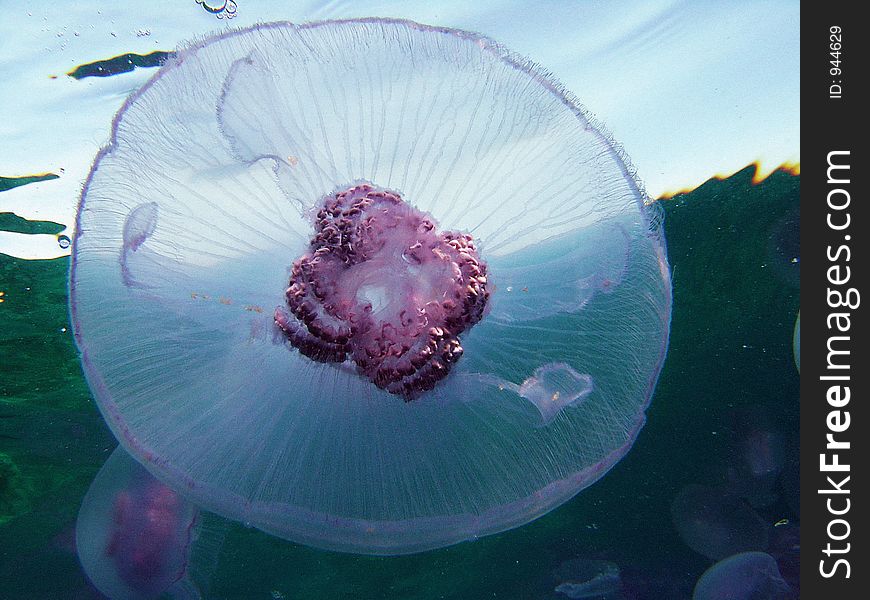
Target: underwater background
x=729, y=385
x=733, y=245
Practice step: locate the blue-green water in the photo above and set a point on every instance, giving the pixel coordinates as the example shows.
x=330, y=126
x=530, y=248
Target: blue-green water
x=732, y=246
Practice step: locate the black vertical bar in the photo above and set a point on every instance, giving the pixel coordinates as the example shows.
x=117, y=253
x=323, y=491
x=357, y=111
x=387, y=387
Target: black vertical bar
x=835, y=224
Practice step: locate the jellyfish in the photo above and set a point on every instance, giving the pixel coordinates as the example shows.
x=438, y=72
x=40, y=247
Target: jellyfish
x=785, y=548
x=368, y=285
x=796, y=342
x=759, y=456
x=588, y=578
x=717, y=523
x=763, y=452
x=136, y=538
x=746, y=576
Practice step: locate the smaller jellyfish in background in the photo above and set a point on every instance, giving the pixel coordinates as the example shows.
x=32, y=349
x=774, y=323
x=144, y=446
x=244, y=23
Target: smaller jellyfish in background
x=746, y=576
x=589, y=579
x=716, y=523
x=785, y=548
x=763, y=452
x=796, y=342
x=136, y=538
x=758, y=455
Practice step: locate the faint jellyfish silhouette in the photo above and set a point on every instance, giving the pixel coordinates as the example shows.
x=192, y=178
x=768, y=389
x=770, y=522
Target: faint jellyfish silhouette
x=785, y=548
x=365, y=298
x=758, y=456
x=745, y=576
x=764, y=452
x=588, y=578
x=796, y=342
x=717, y=523
x=136, y=538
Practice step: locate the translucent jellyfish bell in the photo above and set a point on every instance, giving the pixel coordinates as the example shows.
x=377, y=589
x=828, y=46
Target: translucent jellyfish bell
x=745, y=576
x=368, y=285
x=134, y=535
x=796, y=342
x=717, y=523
